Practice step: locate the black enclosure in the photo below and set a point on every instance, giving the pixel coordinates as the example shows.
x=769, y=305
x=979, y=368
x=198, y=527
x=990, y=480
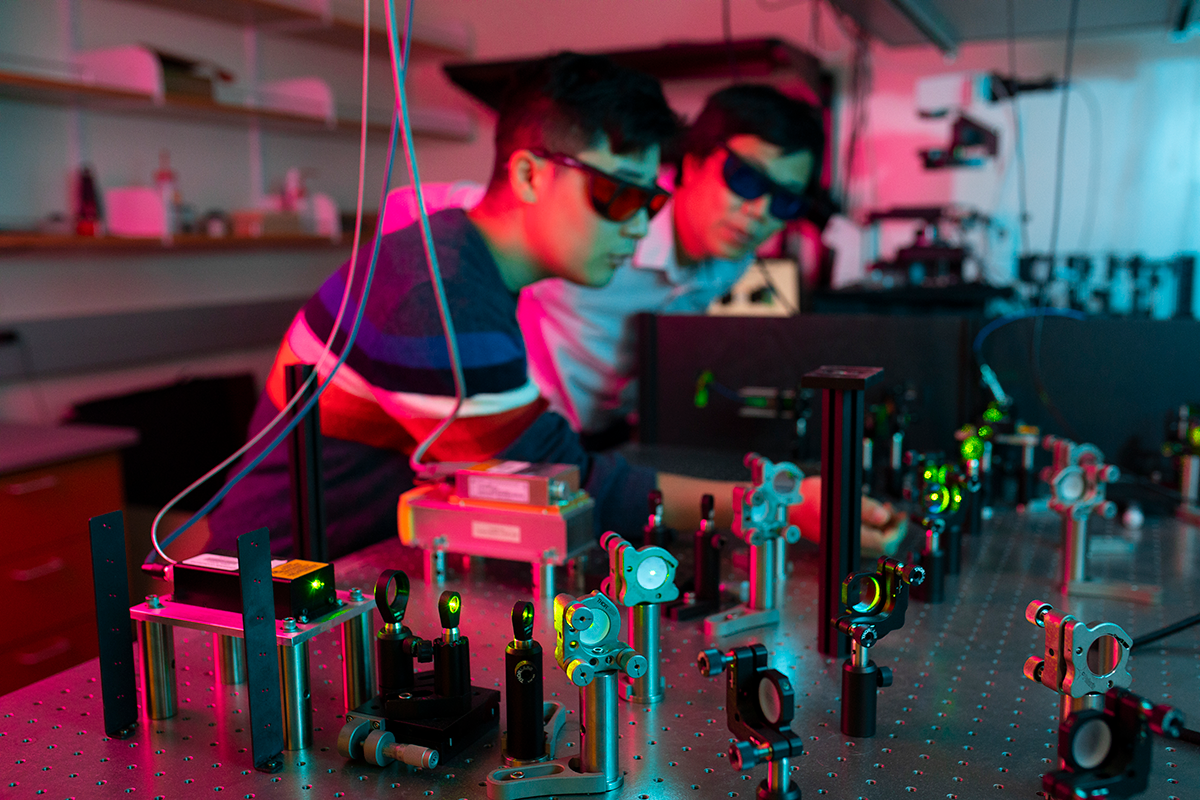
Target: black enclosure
x=1113, y=380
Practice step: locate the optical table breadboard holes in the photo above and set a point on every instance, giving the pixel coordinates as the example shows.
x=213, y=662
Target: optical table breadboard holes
x=960, y=722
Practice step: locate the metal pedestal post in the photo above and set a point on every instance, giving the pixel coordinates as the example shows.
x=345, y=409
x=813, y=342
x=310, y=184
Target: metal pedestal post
x=777, y=777
x=358, y=668
x=231, y=659
x=297, y=701
x=435, y=567
x=1189, y=479
x=645, y=623
x=842, y=399
x=157, y=642
x=1074, y=551
x=764, y=576
x=598, y=751
x=1025, y=476
x=763, y=606
x=1189, y=487
x=543, y=580
x=781, y=572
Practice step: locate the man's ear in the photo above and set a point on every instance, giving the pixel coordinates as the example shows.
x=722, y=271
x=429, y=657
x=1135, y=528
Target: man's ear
x=689, y=165
x=527, y=175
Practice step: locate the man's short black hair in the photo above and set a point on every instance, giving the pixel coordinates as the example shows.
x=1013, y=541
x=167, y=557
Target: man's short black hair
x=568, y=102
x=759, y=110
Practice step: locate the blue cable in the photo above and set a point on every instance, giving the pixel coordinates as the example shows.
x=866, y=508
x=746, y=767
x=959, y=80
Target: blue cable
x=1000, y=322
x=435, y=275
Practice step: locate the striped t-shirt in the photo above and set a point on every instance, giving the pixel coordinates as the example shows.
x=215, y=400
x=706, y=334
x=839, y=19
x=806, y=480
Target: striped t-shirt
x=396, y=386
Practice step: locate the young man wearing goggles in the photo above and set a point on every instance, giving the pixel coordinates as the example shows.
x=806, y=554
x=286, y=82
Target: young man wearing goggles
x=578, y=143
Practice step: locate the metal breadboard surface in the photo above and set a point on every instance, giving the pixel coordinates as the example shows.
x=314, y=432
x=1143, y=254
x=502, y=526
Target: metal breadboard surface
x=960, y=721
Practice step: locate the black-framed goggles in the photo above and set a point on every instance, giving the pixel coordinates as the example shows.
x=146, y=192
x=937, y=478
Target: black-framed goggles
x=615, y=199
x=750, y=183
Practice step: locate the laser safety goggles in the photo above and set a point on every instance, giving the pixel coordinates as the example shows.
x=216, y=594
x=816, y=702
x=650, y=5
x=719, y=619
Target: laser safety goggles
x=615, y=199
x=750, y=183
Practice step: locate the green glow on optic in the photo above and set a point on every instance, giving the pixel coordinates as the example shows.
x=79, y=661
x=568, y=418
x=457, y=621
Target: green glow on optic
x=985, y=432
x=454, y=603
x=527, y=614
x=941, y=474
x=972, y=447
x=993, y=414
x=316, y=584
x=1194, y=435
x=928, y=474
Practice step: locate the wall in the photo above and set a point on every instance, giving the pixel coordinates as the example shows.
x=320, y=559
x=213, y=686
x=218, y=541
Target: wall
x=215, y=163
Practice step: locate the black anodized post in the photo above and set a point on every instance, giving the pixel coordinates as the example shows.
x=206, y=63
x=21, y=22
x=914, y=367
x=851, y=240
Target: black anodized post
x=707, y=556
x=304, y=462
x=262, y=657
x=526, y=737
x=118, y=686
x=843, y=395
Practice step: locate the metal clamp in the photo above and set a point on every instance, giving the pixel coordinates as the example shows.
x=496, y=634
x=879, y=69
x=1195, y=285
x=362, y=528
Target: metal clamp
x=760, y=518
x=876, y=603
x=1077, y=661
x=641, y=579
x=759, y=707
x=1107, y=752
x=586, y=640
x=1081, y=662
x=760, y=512
x=1078, y=482
x=588, y=649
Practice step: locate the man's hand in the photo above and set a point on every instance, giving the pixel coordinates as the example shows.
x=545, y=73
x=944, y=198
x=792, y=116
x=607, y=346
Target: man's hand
x=882, y=527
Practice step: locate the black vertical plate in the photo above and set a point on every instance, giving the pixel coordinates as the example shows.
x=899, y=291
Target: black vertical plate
x=262, y=658
x=118, y=685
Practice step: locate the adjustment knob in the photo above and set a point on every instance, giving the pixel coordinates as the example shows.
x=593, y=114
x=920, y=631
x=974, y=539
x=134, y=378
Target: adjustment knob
x=579, y=673
x=633, y=663
x=743, y=755
x=711, y=662
x=885, y=677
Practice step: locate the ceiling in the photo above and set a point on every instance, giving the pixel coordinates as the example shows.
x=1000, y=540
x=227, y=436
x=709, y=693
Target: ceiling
x=948, y=23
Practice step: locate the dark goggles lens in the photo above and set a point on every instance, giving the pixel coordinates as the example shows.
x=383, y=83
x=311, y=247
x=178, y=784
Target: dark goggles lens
x=748, y=183
x=615, y=199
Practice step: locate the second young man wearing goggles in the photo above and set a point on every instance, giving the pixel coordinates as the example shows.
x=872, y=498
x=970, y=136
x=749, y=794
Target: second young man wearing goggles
x=743, y=166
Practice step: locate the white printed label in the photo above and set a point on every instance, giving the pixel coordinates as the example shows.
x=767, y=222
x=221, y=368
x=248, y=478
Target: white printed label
x=494, y=531
x=482, y=488
x=227, y=563
x=509, y=467
x=213, y=561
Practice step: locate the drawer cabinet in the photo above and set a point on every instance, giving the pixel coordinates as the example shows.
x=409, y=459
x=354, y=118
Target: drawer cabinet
x=48, y=491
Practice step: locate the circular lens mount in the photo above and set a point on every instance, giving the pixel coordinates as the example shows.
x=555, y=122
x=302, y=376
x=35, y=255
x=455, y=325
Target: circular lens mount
x=392, y=610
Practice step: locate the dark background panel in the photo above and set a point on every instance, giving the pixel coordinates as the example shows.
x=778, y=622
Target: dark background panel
x=776, y=352
x=1112, y=380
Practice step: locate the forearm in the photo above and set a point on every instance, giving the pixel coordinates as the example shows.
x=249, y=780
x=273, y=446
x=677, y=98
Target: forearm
x=681, y=500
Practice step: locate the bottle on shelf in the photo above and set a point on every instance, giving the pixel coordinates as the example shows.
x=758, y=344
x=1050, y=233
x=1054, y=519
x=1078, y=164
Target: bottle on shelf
x=87, y=205
x=164, y=180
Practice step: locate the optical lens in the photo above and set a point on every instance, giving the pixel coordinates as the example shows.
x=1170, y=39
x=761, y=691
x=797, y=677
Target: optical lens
x=652, y=573
x=742, y=179
x=627, y=201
